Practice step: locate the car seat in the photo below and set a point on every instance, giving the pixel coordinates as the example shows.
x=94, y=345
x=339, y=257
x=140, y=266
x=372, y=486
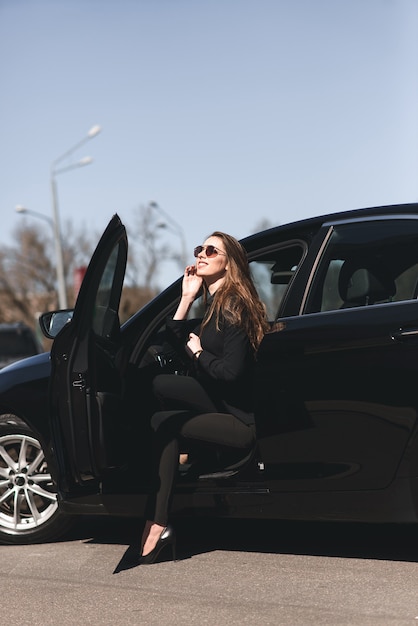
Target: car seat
x=362, y=283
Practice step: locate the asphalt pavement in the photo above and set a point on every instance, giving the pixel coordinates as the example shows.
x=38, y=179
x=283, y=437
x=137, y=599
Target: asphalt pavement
x=227, y=572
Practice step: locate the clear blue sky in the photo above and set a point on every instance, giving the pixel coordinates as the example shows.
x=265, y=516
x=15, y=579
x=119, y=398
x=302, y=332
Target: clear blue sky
x=224, y=112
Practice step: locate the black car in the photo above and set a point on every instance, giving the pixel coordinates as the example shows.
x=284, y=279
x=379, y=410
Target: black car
x=17, y=341
x=335, y=389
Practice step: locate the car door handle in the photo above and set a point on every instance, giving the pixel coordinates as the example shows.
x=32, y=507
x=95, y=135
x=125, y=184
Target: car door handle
x=405, y=334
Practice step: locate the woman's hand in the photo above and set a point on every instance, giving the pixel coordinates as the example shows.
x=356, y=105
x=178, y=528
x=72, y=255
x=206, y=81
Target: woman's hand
x=189, y=289
x=194, y=345
x=191, y=282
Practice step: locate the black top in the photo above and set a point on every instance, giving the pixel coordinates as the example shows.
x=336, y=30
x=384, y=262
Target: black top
x=225, y=367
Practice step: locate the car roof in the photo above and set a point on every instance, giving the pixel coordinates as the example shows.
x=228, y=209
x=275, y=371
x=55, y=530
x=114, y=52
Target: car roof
x=313, y=224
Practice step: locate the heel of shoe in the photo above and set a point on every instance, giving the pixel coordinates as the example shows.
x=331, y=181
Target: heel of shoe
x=167, y=539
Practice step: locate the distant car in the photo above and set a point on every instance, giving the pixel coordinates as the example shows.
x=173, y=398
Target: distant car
x=17, y=341
x=335, y=389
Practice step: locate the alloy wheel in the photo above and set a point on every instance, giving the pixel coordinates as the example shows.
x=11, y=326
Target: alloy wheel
x=27, y=494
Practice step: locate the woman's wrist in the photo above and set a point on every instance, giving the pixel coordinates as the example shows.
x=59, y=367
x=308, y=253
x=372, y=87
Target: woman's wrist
x=197, y=354
x=183, y=308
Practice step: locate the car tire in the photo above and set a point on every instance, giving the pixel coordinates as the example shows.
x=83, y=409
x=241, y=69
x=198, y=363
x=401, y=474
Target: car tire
x=29, y=510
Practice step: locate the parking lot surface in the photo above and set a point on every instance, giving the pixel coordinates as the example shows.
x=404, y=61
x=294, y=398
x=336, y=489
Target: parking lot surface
x=227, y=573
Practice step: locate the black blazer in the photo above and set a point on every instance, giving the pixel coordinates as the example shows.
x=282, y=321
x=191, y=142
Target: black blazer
x=225, y=368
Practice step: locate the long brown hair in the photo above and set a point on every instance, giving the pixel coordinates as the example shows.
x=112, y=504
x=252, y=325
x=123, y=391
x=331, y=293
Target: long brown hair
x=237, y=299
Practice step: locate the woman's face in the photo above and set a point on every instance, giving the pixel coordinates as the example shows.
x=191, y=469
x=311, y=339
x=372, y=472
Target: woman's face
x=212, y=267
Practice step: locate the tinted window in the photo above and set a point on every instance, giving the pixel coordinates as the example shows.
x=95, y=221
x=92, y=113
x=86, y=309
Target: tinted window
x=272, y=273
x=106, y=303
x=365, y=264
x=271, y=293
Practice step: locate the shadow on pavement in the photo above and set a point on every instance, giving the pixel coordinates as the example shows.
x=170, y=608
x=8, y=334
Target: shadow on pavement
x=196, y=536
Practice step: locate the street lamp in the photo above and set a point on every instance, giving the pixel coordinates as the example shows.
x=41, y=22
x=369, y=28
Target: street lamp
x=62, y=294
x=171, y=223
x=22, y=209
x=54, y=221
x=94, y=130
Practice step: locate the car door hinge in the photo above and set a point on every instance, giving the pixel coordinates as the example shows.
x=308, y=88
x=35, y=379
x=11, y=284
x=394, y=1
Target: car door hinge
x=80, y=384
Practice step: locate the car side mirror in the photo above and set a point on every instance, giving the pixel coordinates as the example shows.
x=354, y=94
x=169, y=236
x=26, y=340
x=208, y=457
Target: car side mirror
x=52, y=322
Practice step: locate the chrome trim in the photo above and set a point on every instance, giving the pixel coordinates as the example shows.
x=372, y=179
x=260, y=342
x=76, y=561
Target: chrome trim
x=314, y=267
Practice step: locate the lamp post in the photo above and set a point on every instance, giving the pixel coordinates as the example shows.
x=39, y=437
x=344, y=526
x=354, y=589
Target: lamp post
x=54, y=221
x=94, y=130
x=62, y=294
x=22, y=209
x=171, y=223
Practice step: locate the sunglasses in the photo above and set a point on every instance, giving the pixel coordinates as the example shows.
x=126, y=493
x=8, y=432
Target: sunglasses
x=209, y=251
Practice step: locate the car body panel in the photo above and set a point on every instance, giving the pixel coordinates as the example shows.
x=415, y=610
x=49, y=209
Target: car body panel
x=343, y=394
x=24, y=392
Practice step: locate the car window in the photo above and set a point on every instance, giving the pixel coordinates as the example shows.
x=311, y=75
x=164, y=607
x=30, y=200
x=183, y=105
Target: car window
x=106, y=300
x=272, y=273
x=367, y=263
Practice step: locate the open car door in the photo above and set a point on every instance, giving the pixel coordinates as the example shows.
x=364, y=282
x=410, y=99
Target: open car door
x=86, y=389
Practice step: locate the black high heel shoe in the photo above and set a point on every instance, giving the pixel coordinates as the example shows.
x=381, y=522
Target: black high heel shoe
x=166, y=539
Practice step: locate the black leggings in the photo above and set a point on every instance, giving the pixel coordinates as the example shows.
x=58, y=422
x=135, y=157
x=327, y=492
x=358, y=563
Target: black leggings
x=194, y=417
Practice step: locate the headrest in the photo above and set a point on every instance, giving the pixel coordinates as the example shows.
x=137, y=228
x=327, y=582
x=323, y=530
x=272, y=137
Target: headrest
x=364, y=283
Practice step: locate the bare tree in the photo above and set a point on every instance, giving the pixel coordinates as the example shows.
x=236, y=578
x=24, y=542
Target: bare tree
x=263, y=224
x=28, y=270
x=78, y=247
x=147, y=250
x=28, y=282
x=25, y=271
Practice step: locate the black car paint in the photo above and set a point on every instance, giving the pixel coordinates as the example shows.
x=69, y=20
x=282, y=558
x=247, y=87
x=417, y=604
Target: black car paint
x=296, y=471
x=24, y=391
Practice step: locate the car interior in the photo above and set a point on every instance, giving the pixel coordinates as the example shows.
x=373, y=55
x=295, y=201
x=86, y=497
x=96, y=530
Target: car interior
x=347, y=277
x=364, y=282
x=272, y=273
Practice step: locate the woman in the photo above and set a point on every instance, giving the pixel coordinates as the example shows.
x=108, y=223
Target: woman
x=214, y=406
